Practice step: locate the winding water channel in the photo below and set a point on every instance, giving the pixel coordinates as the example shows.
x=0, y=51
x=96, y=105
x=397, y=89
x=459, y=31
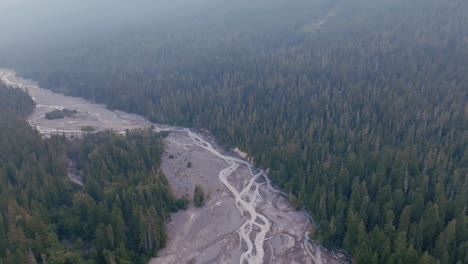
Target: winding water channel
x=247, y=220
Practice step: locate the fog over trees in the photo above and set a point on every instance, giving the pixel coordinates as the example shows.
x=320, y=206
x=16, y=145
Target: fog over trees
x=359, y=108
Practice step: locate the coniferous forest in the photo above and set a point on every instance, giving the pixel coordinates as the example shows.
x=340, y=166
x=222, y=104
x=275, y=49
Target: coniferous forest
x=116, y=217
x=362, y=120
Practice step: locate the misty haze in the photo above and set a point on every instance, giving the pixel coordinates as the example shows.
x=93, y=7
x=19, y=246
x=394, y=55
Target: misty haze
x=249, y=132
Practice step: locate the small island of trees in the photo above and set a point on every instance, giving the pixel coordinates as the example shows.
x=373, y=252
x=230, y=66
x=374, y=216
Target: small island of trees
x=59, y=114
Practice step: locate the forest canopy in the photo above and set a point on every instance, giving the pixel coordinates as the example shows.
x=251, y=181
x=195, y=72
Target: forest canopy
x=359, y=108
x=116, y=217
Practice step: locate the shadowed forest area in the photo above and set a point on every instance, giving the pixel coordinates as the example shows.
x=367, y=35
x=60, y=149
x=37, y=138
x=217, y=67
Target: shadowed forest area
x=358, y=108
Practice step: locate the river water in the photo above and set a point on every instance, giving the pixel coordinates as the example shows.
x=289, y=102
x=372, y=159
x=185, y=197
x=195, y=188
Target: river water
x=246, y=219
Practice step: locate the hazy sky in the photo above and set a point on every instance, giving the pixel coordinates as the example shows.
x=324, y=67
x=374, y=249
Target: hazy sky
x=36, y=22
x=31, y=19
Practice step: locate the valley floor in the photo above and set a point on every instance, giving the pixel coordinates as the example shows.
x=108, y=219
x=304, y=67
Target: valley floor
x=245, y=219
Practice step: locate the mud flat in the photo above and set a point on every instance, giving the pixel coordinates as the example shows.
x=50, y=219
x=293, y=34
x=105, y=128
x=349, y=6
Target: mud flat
x=245, y=220
x=90, y=114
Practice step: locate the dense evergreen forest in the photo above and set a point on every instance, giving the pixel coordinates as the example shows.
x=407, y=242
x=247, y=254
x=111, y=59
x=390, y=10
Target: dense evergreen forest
x=15, y=102
x=361, y=114
x=117, y=217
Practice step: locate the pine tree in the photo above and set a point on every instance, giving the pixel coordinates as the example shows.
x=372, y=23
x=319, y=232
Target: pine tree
x=198, y=196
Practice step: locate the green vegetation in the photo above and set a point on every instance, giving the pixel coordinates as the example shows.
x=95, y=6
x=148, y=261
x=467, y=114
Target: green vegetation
x=119, y=215
x=198, y=196
x=15, y=101
x=125, y=193
x=88, y=128
x=363, y=121
x=59, y=114
x=182, y=203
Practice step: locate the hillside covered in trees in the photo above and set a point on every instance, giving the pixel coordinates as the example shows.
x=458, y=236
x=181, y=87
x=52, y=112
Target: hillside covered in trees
x=117, y=217
x=361, y=113
x=15, y=102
